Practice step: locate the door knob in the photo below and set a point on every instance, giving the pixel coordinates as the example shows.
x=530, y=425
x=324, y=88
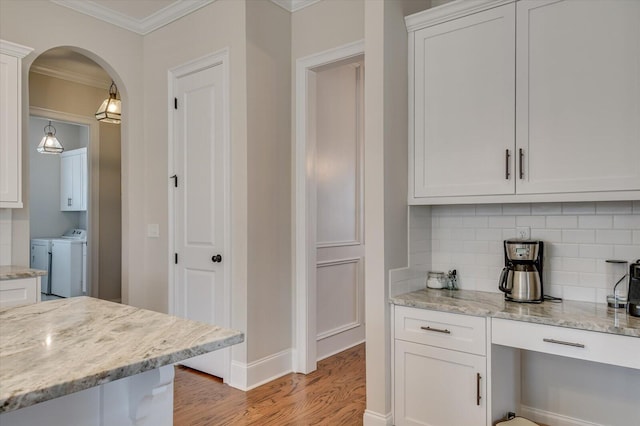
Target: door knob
x=216, y=259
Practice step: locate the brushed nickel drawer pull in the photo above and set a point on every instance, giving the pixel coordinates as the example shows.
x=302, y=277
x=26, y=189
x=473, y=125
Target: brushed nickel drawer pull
x=560, y=342
x=437, y=330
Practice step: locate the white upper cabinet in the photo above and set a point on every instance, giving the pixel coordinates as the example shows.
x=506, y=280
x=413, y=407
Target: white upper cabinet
x=11, y=55
x=464, y=94
x=532, y=100
x=73, y=180
x=578, y=95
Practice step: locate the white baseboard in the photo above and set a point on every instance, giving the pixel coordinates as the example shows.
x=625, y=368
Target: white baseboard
x=372, y=418
x=547, y=417
x=248, y=376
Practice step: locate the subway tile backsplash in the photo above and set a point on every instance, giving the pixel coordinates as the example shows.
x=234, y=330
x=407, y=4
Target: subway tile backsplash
x=578, y=238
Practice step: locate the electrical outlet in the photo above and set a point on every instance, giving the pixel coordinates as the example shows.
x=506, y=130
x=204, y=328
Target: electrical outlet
x=523, y=232
x=153, y=230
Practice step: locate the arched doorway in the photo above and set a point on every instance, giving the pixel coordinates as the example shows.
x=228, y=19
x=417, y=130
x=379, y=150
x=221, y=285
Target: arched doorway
x=67, y=87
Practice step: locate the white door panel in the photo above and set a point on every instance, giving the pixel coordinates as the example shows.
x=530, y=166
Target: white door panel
x=200, y=206
x=337, y=124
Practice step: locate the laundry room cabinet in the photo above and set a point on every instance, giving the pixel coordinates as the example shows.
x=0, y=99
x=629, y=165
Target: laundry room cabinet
x=512, y=100
x=73, y=180
x=11, y=55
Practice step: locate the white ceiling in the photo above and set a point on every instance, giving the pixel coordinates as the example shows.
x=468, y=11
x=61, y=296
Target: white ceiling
x=145, y=16
x=64, y=63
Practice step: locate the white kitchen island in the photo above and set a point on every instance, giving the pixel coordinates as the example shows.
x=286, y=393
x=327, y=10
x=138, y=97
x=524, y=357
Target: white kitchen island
x=85, y=361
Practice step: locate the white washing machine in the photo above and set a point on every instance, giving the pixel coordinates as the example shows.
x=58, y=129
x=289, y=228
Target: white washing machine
x=41, y=259
x=65, y=261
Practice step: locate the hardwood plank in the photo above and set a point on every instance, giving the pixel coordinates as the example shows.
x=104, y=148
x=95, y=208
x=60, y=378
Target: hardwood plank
x=334, y=394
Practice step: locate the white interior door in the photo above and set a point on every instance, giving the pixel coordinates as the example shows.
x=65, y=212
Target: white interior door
x=339, y=208
x=200, y=207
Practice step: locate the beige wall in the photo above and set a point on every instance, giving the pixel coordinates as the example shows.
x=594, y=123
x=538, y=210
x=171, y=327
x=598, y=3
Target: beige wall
x=42, y=25
x=219, y=25
x=385, y=184
x=110, y=250
x=269, y=179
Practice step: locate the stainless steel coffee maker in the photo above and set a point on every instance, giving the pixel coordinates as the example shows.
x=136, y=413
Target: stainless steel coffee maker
x=521, y=277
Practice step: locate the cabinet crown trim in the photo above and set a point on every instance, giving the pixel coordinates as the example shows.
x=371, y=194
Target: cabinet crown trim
x=14, y=49
x=449, y=11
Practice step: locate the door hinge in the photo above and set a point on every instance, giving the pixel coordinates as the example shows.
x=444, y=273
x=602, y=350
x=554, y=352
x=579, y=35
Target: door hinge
x=175, y=180
x=175, y=258
x=175, y=103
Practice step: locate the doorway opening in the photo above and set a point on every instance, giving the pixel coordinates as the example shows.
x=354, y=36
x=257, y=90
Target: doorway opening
x=75, y=197
x=329, y=208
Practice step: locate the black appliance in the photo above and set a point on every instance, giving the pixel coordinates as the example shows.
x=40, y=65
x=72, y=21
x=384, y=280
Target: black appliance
x=633, y=300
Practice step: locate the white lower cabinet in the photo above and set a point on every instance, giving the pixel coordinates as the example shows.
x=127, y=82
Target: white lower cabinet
x=438, y=387
x=22, y=291
x=435, y=384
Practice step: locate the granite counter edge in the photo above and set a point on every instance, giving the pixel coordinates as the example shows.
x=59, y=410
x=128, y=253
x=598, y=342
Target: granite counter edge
x=32, y=397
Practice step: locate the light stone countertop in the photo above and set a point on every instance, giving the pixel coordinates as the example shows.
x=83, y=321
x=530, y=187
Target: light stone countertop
x=12, y=272
x=55, y=348
x=580, y=315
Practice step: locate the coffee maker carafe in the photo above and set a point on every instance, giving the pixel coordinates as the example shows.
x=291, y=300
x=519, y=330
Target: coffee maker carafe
x=521, y=277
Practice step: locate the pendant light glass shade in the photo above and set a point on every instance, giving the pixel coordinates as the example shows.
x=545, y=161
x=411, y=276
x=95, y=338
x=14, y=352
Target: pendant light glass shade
x=49, y=143
x=110, y=110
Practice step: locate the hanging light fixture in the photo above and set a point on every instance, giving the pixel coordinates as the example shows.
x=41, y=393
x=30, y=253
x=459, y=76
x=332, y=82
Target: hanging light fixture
x=109, y=111
x=49, y=143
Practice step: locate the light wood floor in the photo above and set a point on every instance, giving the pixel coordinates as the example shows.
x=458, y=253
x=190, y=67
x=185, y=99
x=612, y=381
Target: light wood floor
x=333, y=395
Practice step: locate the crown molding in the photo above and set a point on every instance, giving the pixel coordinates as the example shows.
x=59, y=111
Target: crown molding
x=162, y=17
x=72, y=76
x=294, y=5
x=14, y=49
x=449, y=11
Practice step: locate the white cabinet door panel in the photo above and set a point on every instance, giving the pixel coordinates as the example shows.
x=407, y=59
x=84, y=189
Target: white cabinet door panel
x=578, y=95
x=438, y=387
x=464, y=105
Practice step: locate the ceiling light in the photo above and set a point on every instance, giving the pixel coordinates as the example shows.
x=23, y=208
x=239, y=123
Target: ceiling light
x=49, y=143
x=110, y=110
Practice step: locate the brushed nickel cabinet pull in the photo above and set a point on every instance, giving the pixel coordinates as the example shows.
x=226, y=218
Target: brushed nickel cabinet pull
x=560, y=342
x=506, y=164
x=478, y=397
x=521, y=162
x=437, y=330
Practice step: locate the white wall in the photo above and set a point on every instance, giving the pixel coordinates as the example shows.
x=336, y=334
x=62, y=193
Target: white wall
x=578, y=238
x=44, y=179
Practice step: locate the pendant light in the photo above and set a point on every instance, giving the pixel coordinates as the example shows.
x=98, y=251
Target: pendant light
x=109, y=111
x=49, y=143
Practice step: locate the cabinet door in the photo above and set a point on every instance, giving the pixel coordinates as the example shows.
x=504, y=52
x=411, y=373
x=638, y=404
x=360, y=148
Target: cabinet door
x=73, y=180
x=10, y=190
x=438, y=387
x=463, y=107
x=578, y=104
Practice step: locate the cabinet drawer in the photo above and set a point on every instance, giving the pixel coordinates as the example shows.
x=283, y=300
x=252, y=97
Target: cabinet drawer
x=442, y=329
x=588, y=345
x=18, y=292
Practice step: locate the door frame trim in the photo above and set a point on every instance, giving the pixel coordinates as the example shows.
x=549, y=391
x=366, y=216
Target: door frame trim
x=303, y=262
x=218, y=58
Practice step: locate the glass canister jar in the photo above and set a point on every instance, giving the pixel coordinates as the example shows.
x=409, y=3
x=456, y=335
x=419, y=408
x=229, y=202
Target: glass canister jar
x=436, y=279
